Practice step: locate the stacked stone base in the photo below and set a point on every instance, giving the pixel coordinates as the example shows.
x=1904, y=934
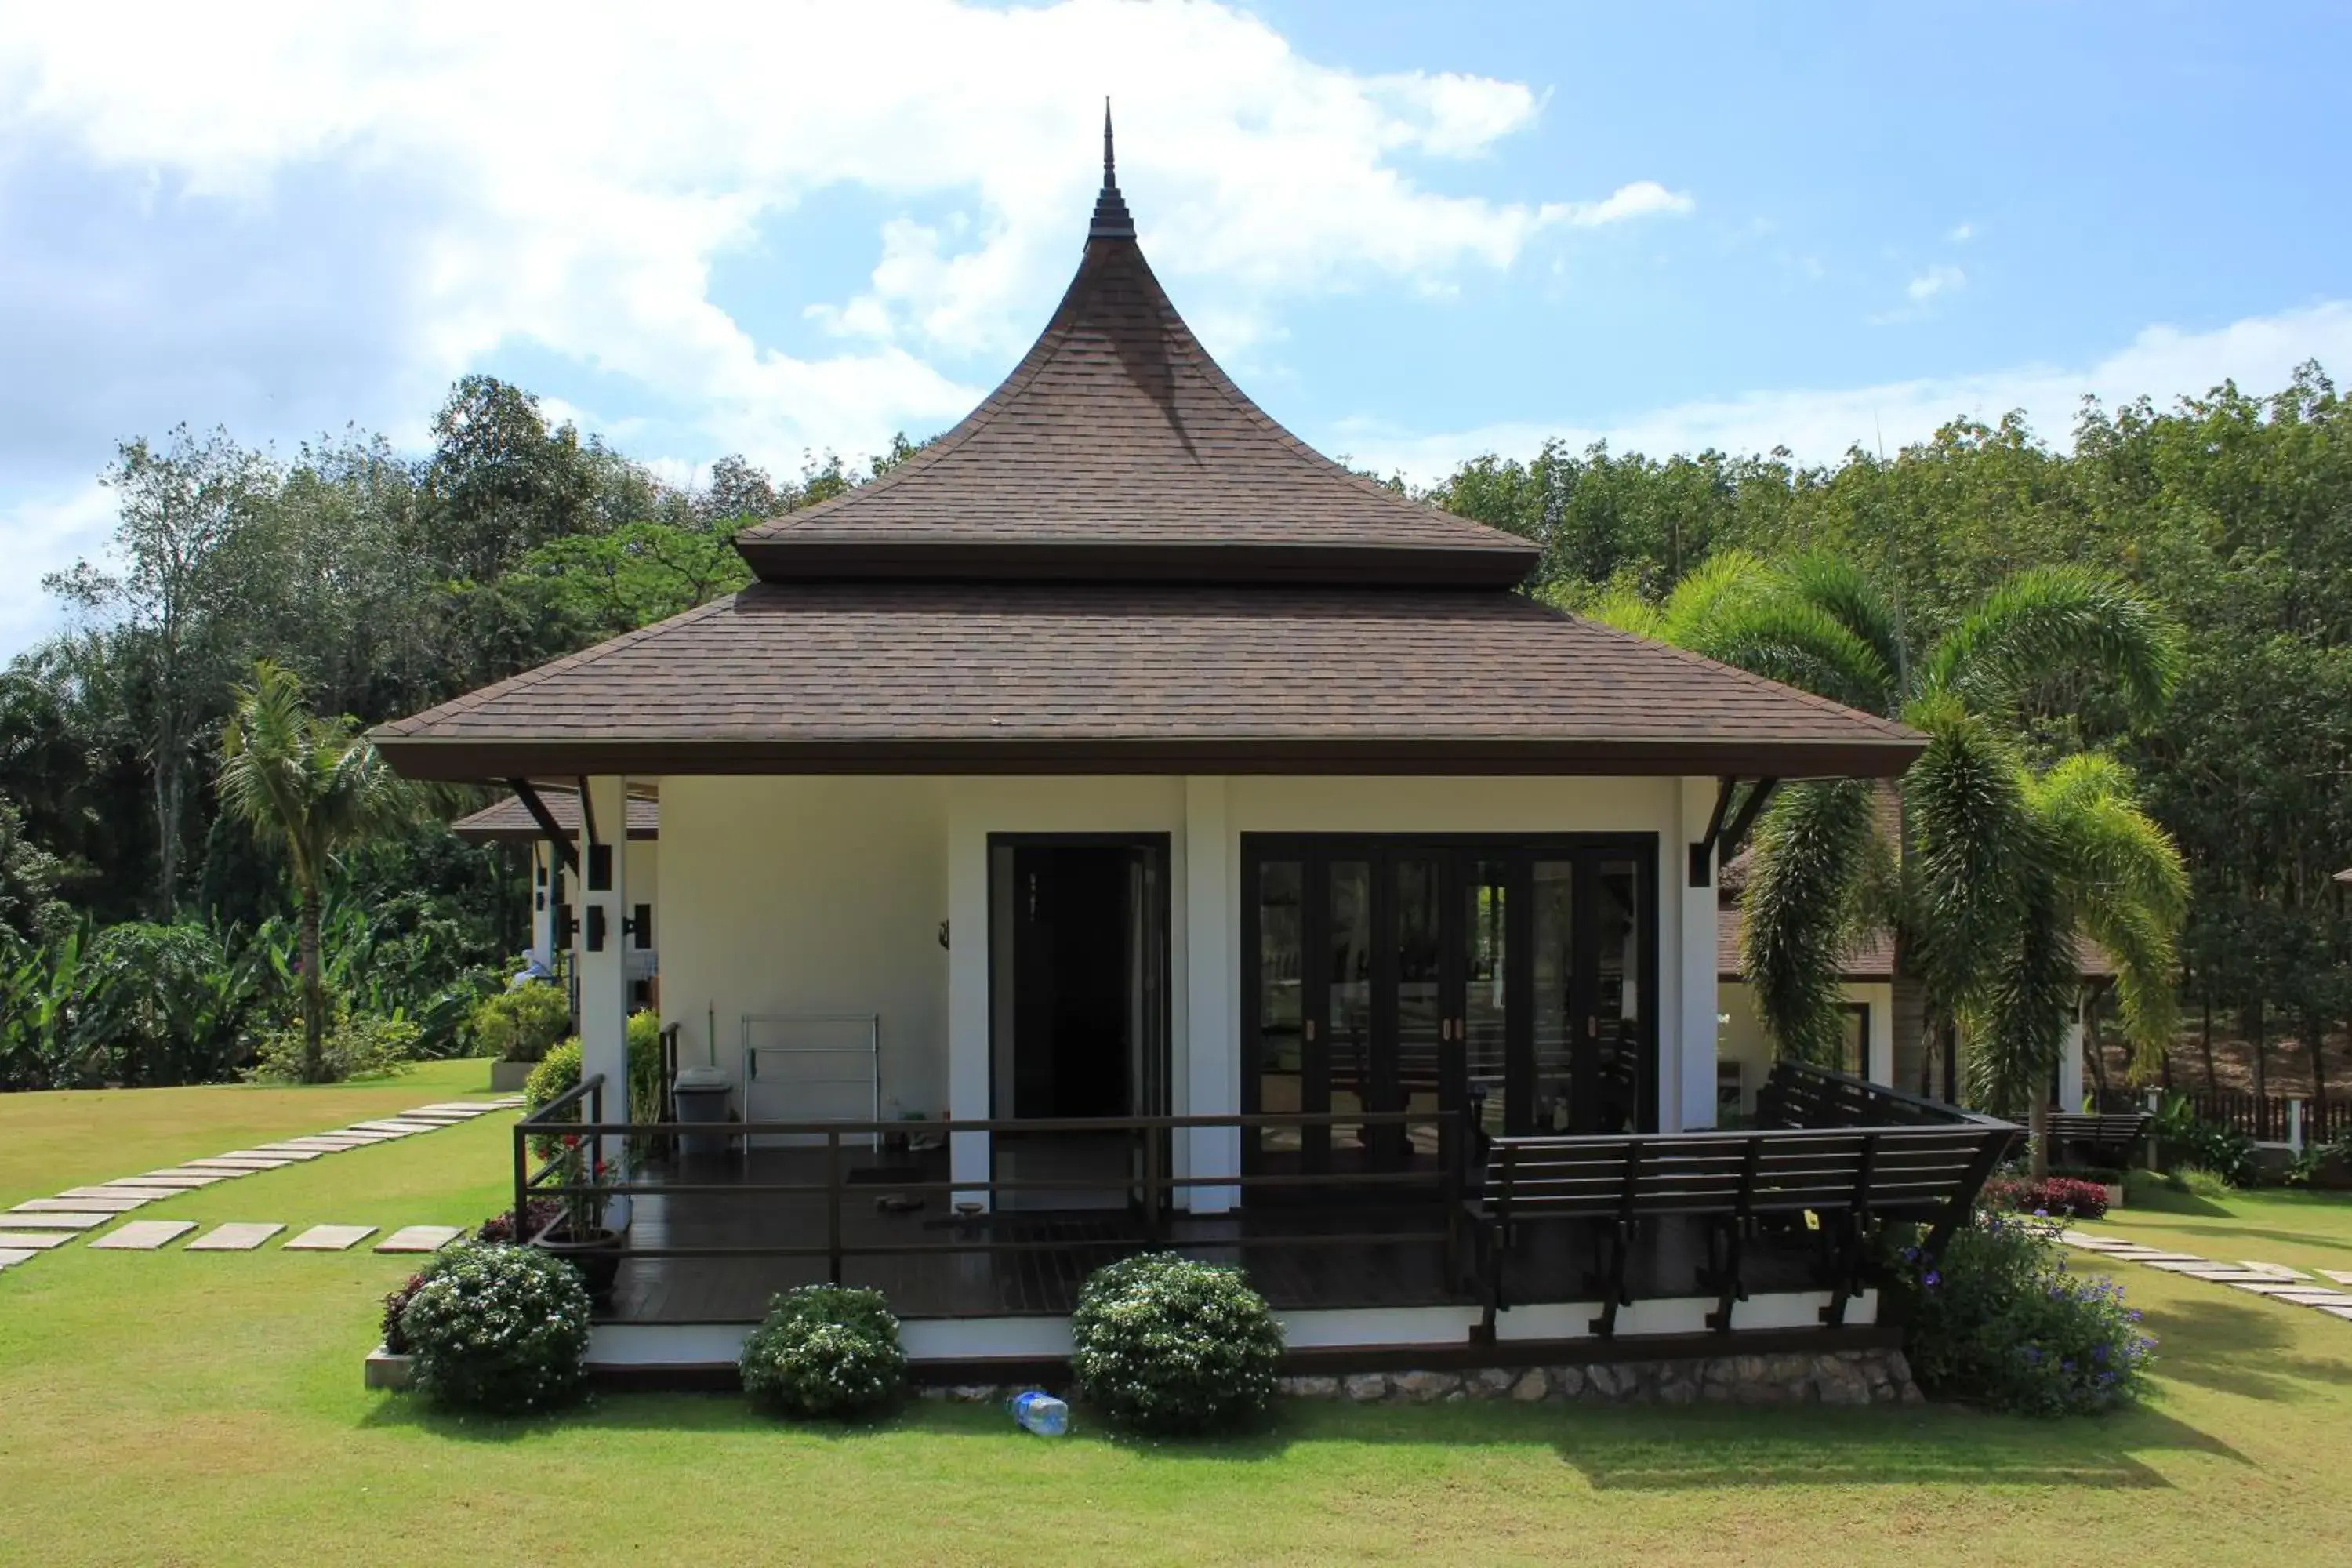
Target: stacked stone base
x=1832, y=1377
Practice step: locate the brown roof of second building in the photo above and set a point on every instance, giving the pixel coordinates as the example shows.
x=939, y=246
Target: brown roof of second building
x=876, y=677
x=510, y=821
x=1871, y=960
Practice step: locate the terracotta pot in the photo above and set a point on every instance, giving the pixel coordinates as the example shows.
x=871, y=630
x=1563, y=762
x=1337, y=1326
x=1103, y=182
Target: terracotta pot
x=597, y=1256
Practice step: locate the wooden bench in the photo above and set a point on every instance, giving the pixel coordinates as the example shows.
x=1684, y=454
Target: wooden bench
x=1850, y=1179
x=2101, y=1140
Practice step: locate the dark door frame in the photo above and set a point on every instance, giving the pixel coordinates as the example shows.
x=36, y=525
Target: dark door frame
x=1156, y=1087
x=1316, y=851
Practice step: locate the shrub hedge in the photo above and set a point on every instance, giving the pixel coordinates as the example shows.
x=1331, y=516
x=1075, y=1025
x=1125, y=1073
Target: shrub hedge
x=500, y=1329
x=824, y=1351
x=1165, y=1344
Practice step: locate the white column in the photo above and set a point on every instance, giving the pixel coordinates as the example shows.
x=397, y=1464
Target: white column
x=2070, y=1069
x=602, y=967
x=1210, y=1045
x=542, y=904
x=1687, y=1049
x=967, y=1011
x=2295, y=1126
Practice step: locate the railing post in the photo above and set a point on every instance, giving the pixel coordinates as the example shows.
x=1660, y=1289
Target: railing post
x=521, y=1177
x=2294, y=1125
x=833, y=1204
x=1151, y=1179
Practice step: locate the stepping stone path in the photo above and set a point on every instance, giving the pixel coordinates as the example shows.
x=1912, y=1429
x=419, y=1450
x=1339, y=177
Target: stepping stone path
x=144, y=1235
x=2274, y=1280
x=39, y=1225
x=418, y=1239
x=331, y=1239
x=235, y=1237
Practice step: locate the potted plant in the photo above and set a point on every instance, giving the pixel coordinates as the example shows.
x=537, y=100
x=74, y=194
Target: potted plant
x=583, y=1239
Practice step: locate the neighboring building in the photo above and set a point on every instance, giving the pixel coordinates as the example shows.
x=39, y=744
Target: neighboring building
x=513, y=821
x=1119, y=754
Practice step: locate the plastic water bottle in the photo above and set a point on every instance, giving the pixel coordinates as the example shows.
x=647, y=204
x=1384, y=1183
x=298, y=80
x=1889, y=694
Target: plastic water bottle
x=1040, y=1412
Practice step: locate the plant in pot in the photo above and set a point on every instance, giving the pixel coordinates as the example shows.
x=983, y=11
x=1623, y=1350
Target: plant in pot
x=583, y=1239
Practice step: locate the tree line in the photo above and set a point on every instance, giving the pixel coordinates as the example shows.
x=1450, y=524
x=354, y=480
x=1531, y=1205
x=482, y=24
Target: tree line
x=387, y=581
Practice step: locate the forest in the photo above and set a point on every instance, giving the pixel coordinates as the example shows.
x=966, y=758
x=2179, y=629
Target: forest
x=147, y=935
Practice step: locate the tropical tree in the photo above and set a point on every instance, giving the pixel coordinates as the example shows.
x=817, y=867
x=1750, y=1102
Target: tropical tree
x=1996, y=867
x=316, y=784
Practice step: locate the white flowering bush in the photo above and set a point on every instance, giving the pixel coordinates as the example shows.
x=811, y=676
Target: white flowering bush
x=502, y=1329
x=824, y=1351
x=1165, y=1344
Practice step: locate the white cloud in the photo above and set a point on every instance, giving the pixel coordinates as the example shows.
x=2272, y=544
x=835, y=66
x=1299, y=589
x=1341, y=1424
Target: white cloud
x=1961, y=233
x=580, y=168
x=1940, y=279
x=47, y=533
x=1643, y=199
x=1817, y=424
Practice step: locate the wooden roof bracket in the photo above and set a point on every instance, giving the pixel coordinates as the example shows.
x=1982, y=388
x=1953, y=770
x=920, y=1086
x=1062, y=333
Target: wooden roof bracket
x=546, y=820
x=1723, y=839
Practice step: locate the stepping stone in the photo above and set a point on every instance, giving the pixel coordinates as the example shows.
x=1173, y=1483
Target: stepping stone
x=47, y=1221
x=185, y=1171
x=127, y=1190
x=2260, y=1287
x=12, y=1255
x=396, y=1126
x=2161, y=1259
x=324, y=1142
x=240, y=1165
x=2233, y=1275
x=112, y=1203
x=450, y=1108
x=282, y=1156
x=331, y=1239
x=2092, y=1243
x=2278, y=1269
x=143, y=1235
x=434, y=1237
x=2316, y=1298
x=2341, y=1276
x=165, y=1181
x=2343, y=1312
x=34, y=1240
x=234, y=1237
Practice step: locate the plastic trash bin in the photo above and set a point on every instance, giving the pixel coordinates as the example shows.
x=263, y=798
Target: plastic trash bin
x=701, y=1095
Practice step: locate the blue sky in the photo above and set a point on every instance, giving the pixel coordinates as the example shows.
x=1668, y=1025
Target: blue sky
x=1413, y=232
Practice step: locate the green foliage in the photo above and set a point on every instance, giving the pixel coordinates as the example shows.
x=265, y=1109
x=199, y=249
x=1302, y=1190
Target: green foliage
x=2186, y=1141
x=826, y=1352
x=1165, y=1344
x=497, y=1328
x=2000, y=1320
x=521, y=1023
x=558, y=1074
x=355, y=1045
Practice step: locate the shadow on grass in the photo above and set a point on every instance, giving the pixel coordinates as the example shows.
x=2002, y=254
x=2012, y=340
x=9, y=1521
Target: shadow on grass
x=2234, y=1345
x=2164, y=1200
x=1624, y=1448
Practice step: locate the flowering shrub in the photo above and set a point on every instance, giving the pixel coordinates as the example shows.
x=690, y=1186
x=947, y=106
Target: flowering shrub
x=503, y=1329
x=500, y=1227
x=1166, y=1345
x=2058, y=1197
x=395, y=1338
x=2000, y=1320
x=824, y=1351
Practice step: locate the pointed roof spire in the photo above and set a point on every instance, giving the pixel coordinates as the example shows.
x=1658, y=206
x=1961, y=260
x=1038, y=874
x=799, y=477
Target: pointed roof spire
x=1112, y=219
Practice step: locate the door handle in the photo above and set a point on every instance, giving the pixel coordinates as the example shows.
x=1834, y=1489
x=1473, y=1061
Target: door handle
x=1592, y=1026
x=1311, y=1028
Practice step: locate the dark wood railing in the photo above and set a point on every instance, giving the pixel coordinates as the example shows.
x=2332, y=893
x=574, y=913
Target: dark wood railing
x=1151, y=1181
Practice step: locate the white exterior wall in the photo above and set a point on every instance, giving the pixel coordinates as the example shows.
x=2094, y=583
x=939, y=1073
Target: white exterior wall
x=1743, y=1040
x=804, y=894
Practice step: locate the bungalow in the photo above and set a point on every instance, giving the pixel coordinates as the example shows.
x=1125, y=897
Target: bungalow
x=1164, y=807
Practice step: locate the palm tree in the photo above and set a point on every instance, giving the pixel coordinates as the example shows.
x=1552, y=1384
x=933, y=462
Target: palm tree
x=1995, y=868
x=319, y=786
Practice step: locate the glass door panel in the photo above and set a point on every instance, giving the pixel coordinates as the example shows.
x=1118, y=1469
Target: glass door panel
x=1616, y=1029
x=1408, y=1077
x=1346, y=1049
x=1280, y=1039
x=1485, y=1014
x=1552, y=1095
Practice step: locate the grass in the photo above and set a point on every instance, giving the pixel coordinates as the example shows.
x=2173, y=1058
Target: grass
x=193, y=1408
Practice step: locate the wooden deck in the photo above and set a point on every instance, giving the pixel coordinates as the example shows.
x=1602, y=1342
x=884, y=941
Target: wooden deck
x=1062, y=1247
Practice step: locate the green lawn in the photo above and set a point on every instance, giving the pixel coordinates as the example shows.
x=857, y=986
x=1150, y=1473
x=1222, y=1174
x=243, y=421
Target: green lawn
x=208, y=1409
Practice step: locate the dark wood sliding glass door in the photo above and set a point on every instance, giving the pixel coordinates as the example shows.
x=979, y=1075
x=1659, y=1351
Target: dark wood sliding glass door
x=1509, y=979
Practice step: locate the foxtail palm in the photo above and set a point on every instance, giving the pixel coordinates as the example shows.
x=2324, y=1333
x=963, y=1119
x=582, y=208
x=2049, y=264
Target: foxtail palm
x=1995, y=869
x=315, y=784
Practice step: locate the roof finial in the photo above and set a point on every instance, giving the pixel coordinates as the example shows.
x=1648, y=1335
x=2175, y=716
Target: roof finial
x=1112, y=219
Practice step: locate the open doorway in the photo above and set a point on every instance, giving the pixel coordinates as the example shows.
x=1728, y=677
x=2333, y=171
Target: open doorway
x=1077, y=971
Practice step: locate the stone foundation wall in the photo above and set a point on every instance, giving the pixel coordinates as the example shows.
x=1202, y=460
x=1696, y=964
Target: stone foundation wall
x=1834, y=1378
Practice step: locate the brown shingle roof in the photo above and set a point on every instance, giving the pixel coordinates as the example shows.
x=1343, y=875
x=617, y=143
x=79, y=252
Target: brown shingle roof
x=880, y=677
x=510, y=822
x=1117, y=447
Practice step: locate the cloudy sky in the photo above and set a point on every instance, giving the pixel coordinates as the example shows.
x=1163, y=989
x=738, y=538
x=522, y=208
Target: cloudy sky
x=1414, y=232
